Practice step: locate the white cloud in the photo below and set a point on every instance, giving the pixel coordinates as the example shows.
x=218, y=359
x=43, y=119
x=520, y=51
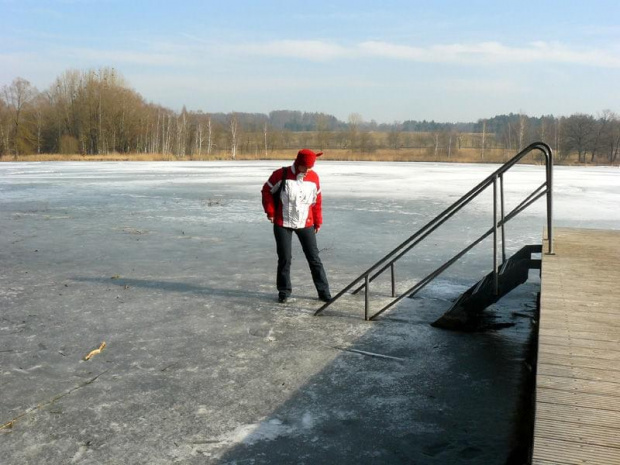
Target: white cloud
x=492, y=52
x=457, y=53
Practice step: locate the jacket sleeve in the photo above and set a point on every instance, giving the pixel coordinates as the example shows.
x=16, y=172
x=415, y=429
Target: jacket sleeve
x=269, y=187
x=317, y=208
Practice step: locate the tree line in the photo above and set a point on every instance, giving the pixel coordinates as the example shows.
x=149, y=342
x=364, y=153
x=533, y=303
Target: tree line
x=97, y=112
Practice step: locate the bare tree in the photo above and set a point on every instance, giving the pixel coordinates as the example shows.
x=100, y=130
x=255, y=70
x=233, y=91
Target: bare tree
x=578, y=134
x=610, y=137
x=544, y=129
x=234, y=128
x=209, y=136
x=40, y=107
x=484, y=134
x=556, y=138
x=181, y=133
x=600, y=132
x=366, y=142
x=393, y=137
x=18, y=96
x=199, y=138
x=265, y=137
x=521, y=129
x=355, y=120
x=322, y=125
x=5, y=125
x=94, y=111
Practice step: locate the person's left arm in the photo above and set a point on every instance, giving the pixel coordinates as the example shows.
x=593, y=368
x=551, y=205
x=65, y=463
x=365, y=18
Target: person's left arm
x=317, y=208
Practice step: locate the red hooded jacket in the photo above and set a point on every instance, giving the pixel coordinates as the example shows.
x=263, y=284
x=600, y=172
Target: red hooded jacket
x=300, y=200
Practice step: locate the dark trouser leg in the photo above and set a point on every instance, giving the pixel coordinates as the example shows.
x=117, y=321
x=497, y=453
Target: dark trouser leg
x=283, y=246
x=307, y=237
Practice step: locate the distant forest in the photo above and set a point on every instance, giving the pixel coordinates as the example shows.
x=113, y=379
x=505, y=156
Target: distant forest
x=97, y=112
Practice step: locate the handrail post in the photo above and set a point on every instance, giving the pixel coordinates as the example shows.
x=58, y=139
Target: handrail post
x=393, y=280
x=550, y=200
x=366, y=298
x=501, y=189
x=495, y=276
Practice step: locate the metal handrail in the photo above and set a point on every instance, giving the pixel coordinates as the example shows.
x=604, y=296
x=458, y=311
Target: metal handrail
x=392, y=257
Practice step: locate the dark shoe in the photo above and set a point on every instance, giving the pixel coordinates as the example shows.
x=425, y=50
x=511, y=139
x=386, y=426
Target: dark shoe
x=282, y=298
x=325, y=297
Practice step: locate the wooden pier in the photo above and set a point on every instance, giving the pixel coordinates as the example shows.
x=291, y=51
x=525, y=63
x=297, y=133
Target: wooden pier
x=578, y=372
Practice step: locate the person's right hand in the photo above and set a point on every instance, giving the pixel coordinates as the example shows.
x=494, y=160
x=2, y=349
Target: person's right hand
x=270, y=218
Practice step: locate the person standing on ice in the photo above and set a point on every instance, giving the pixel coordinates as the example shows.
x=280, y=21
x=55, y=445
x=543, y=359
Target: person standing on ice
x=292, y=202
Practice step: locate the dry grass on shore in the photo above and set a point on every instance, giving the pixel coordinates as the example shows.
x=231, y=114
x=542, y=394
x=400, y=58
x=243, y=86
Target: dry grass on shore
x=401, y=155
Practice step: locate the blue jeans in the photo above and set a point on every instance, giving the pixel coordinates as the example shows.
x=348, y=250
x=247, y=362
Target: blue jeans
x=307, y=238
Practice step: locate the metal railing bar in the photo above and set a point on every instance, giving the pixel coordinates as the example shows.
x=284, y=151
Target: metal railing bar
x=473, y=192
x=518, y=210
x=501, y=189
x=426, y=233
x=542, y=186
x=451, y=210
x=412, y=291
x=495, y=238
x=517, y=158
x=420, y=239
x=464, y=200
x=421, y=284
x=549, y=166
x=366, y=300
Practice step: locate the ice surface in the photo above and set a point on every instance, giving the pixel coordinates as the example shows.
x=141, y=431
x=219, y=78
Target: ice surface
x=172, y=264
x=581, y=193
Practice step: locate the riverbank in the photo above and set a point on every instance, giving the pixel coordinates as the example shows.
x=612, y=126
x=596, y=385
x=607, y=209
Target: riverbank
x=468, y=155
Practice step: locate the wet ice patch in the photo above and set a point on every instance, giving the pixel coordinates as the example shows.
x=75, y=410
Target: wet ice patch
x=271, y=429
x=11, y=291
x=442, y=289
x=268, y=431
x=253, y=433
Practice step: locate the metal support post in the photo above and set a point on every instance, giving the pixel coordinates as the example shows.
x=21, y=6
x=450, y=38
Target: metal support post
x=366, y=300
x=495, y=238
x=501, y=188
x=550, y=201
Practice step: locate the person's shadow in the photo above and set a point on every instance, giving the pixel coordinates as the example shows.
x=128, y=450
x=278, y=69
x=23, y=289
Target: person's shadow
x=183, y=287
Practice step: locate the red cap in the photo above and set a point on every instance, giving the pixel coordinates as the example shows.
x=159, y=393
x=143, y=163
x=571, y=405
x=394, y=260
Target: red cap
x=306, y=157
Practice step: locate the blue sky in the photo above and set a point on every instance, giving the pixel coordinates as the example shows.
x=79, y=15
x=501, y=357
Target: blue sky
x=386, y=60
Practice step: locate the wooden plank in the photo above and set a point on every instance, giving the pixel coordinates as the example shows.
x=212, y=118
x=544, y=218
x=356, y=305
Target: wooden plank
x=579, y=415
x=555, y=451
x=586, y=335
x=593, y=325
x=590, y=374
x=578, y=362
x=565, y=340
x=577, y=385
x=578, y=370
x=611, y=357
x=579, y=313
x=587, y=434
x=578, y=399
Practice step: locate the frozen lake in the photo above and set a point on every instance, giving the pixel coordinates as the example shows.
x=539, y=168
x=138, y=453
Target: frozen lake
x=173, y=265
